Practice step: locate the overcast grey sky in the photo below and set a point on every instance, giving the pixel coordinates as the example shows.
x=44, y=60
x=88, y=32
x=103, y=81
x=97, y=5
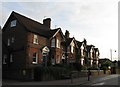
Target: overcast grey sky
x=95, y=20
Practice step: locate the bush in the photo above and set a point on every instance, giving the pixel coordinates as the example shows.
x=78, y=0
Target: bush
x=51, y=72
x=93, y=68
x=84, y=68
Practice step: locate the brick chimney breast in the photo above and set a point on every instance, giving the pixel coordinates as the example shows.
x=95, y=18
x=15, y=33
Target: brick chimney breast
x=47, y=22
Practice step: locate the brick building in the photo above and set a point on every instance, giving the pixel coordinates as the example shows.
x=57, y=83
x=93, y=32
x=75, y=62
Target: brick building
x=27, y=44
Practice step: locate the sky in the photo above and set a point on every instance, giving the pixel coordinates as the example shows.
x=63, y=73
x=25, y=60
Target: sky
x=94, y=20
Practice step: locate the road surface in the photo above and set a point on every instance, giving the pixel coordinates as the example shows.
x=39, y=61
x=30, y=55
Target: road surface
x=107, y=80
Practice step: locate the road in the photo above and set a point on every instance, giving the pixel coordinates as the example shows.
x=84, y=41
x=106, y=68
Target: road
x=77, y=82
x=107, y=80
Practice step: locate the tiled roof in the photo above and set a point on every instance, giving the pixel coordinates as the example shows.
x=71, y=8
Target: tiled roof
x=68, y=41
x=96, y=49
x=89, y=47
x=79, y=43
x=34, y=26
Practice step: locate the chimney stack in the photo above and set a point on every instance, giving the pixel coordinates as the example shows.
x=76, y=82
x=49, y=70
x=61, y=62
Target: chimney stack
x=67, y=34
x=47, y=22
x=85, y=41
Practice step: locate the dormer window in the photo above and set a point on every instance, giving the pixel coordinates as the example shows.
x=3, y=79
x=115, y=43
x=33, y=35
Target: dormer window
x=35, y=39
x=13, y=23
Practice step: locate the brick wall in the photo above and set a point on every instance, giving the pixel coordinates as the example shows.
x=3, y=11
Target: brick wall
x=32, y=48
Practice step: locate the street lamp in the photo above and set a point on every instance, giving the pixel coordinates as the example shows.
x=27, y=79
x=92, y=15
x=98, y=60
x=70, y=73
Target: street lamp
x=111, y=53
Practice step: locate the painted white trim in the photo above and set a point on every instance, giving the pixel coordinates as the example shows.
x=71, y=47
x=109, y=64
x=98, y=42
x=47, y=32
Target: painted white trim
x=45, y=50
x=56, y=33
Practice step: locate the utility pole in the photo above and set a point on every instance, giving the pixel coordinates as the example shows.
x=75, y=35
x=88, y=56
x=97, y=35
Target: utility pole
x=111, y=53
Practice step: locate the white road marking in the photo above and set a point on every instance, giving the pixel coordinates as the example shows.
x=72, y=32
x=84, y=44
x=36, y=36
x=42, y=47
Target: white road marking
x=109, y=77
x=99, y=83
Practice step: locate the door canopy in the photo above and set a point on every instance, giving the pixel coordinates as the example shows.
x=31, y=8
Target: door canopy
x=45, y=50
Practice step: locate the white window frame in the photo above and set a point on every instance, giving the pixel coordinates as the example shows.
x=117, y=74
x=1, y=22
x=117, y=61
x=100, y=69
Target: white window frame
x=53, y=42
x=82, y=52
x=36, y=58
x=4, y=59
x=8, y=43
x=58, y=43
x=91, y=54
x=13, y=23
x=11, y=58
x=72, y=47
x=35, y=40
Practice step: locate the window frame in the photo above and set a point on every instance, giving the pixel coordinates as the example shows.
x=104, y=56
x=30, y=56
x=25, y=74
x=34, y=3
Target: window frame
x=8, y=41
x=5, y=59
x=35, y=39
x=13, y=39
x=13, y=23
x=11, y=58
x=36, y=58
x=53, y=42
x=72, y=48
x=58, y=43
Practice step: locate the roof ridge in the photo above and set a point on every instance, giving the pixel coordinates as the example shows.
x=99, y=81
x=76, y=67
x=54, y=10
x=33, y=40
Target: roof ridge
x=17, y=14
x=25, y=17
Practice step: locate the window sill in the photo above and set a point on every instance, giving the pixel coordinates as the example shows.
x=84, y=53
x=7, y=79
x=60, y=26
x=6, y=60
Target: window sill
x=34, y=63
x=35, y=43
x=53, y=46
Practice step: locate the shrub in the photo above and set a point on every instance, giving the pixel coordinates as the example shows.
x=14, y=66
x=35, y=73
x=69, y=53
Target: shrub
x=84, y=68
x=51, y=72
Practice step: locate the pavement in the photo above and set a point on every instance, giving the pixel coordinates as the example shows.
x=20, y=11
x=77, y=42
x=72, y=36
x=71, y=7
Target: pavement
x=74, y=81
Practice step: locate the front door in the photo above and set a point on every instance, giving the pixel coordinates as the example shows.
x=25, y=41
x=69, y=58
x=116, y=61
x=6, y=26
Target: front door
x=45, y=52
x=44, y=60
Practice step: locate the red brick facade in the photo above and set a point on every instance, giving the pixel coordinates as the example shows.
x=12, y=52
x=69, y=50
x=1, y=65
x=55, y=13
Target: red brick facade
x=26, y=54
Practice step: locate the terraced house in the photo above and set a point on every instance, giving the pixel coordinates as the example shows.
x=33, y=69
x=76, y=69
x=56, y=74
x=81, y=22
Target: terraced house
x=27, y=44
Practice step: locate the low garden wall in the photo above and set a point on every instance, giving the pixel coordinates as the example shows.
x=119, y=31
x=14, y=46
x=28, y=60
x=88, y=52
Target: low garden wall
x=84, y=73
x=56, y=73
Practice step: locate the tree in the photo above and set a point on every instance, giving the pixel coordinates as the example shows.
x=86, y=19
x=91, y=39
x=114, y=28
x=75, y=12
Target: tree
x=106, y=64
